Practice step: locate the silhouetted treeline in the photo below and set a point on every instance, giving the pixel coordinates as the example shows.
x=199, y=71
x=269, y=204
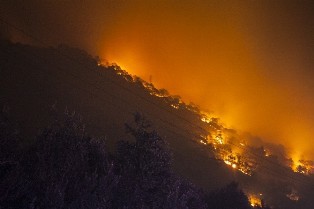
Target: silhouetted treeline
x=66, y=168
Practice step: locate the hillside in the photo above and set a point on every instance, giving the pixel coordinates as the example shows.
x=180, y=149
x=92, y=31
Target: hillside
x=35, y=80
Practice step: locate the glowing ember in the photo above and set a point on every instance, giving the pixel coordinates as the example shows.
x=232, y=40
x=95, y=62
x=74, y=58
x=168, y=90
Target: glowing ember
x=255, y=201
x=158, y=95
x=267, y=153
x=227, y=162
x=203, y=142
x=175, y=106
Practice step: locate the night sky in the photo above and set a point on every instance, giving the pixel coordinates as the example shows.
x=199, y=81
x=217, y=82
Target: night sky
x=250, y=62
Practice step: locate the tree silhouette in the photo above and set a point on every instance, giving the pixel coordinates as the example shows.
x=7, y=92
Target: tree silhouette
x=9, y=145
x=229, y=197
x=63, y=169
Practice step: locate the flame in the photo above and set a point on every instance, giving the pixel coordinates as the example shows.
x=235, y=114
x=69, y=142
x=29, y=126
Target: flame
x=254, y=200
x=299, y=165
x=227, y=162
x=233, y=157
x=206, y=120
x=219, y=138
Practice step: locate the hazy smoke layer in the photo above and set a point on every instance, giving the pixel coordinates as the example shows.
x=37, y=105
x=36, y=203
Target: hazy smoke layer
x=251, y=62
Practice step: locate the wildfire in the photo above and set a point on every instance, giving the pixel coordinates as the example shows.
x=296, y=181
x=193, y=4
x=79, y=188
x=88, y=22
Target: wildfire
x=228, y=146
x=235, y=162
x=305, y=167
x=224, y=152
x=254, y=200
x=219, y=139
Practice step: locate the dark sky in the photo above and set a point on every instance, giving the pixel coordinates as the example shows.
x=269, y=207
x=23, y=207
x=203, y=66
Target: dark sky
x=250, y=62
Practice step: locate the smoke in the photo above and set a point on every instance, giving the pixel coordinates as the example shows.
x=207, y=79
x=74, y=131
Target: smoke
x=250, y=62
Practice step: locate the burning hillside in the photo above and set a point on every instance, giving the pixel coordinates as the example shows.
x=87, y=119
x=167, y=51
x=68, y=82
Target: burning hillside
x=205, y=150
x=235, y=150
x=227, y=144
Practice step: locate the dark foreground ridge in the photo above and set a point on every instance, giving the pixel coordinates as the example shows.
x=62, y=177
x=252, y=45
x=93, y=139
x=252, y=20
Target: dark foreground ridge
x=66, y=168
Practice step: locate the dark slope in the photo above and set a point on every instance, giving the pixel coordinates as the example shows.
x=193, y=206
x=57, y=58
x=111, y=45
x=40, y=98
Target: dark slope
x=35, y=80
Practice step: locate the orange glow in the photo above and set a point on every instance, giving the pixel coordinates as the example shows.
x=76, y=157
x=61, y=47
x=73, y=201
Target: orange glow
x=295, y=161
x=254, y=200
x=250, y=62
x=216, y=64
x=302, y=166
